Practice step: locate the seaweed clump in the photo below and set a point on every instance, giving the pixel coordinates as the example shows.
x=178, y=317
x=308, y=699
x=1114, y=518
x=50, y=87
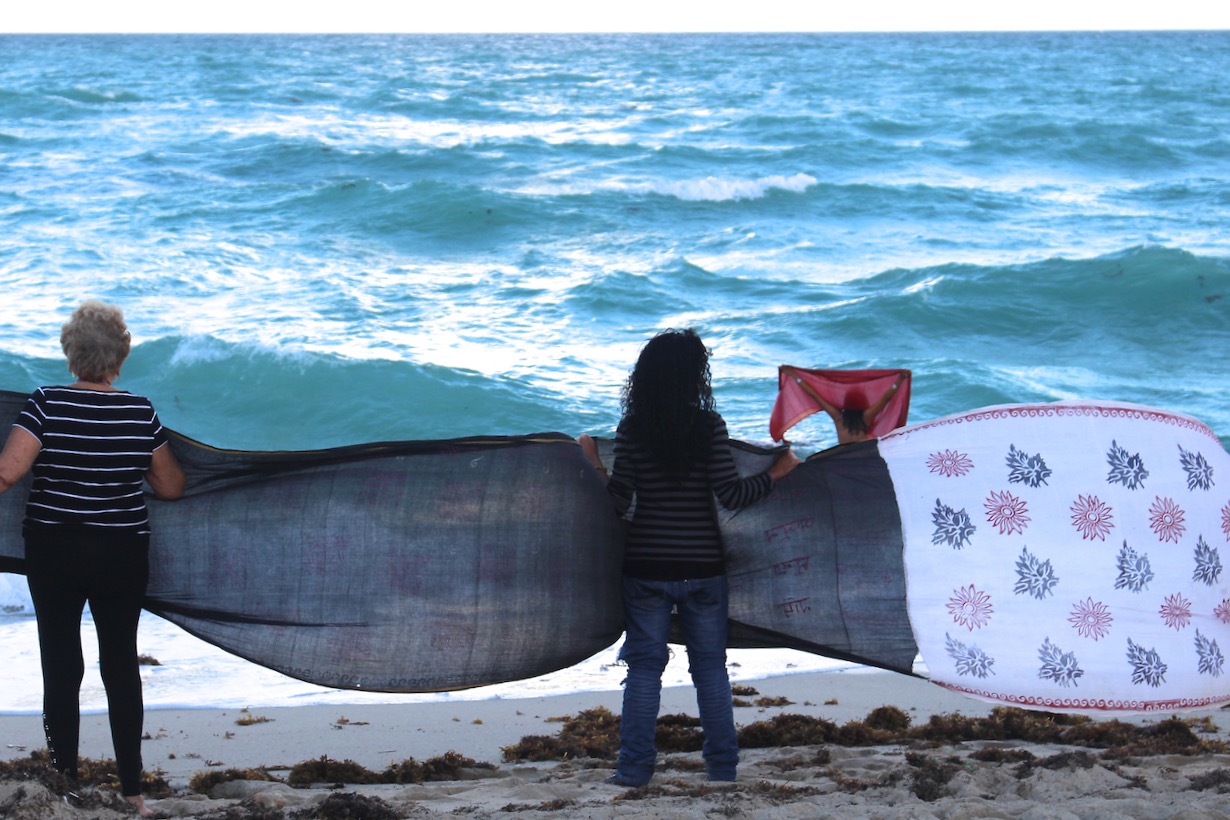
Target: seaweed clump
x=678, y=733
x=97, y=773
x=445, y=767
x=34, y=768
x=1218, y=779
x=326, y=770
x=888, y=719
x=887, y=725
x=930, y=776
x=203, y=782
x=350, y=806
x=595, y=734
x=775, y=793
x=1070, y=761
x=787, y=730
x=994, y=754
x=592, y=733
x=1170, y=736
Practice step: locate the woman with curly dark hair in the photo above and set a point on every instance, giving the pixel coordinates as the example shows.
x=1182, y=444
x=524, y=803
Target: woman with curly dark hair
x=672, y=456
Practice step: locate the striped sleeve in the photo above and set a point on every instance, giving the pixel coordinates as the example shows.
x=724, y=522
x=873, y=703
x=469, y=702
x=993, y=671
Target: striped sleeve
x=622, y=481
x=31, y=418
x=732, y=490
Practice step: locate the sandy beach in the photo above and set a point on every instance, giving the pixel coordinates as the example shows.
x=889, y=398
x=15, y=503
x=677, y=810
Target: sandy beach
x=1106, y=773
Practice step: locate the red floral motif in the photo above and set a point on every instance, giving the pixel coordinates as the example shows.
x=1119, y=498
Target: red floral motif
x=1091, y=517
x=1007, y=512
x=950, y=463
x=1166, y=519
x=1176, y=611
x=1091, y=619
x=970, y=608
x=1222, y=611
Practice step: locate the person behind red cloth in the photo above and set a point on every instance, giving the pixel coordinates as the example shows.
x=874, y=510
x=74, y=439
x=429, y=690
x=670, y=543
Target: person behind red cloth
x=843, y=395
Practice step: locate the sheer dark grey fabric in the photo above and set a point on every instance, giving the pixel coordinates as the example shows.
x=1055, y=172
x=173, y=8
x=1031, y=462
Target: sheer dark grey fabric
x=434, y=565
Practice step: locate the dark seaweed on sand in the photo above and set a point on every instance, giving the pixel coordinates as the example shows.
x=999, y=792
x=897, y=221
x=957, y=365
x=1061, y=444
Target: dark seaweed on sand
x=327, y=770
x=775, y=793
x=595, y=733
x=100, y=774
x=930, y=775
x=203, y=782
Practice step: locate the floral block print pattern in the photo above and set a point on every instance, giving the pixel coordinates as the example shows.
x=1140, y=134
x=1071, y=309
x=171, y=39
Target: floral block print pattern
x=1068, y=557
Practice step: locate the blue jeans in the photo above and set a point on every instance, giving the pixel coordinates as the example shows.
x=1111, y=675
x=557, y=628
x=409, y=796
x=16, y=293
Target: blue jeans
x=702, y=607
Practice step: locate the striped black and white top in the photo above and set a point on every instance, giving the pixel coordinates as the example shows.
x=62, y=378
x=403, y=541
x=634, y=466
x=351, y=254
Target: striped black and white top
x=674, y=532
x=96, y=449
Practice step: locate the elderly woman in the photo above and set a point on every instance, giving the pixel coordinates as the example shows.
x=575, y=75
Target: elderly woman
x=87, y=531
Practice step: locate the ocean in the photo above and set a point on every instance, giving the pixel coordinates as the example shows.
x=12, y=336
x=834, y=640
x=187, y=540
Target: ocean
x=328, y=240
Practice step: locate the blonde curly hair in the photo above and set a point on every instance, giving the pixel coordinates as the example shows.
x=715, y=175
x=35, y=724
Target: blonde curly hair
x=95, y=341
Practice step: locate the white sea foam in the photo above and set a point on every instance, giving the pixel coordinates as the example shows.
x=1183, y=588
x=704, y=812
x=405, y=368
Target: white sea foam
x=194, y=674
x=716, y=189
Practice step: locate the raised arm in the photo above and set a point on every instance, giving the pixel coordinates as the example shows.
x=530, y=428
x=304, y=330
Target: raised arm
x=873, y=412
x=833, y=411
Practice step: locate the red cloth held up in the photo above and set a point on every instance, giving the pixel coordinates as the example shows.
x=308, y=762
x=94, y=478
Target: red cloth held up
x=845, y=389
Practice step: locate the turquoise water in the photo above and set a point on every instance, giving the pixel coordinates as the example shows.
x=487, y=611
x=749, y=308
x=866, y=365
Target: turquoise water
x=326, y=240
x=336, y=239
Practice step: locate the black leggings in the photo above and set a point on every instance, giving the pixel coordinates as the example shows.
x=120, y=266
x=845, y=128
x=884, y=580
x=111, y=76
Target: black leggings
x=111, y=574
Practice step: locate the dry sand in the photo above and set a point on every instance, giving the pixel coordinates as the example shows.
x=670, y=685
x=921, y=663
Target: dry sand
x=1015, y=779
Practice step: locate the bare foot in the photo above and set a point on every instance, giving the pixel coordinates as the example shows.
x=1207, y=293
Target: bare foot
x=139, y=802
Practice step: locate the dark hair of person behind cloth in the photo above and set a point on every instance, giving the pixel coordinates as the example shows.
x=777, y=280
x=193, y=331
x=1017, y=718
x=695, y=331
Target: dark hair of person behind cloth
x=668, y=401
x=854, y=420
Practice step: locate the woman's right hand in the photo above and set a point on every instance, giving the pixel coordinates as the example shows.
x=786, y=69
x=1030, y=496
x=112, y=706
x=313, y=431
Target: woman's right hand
x=590, y=448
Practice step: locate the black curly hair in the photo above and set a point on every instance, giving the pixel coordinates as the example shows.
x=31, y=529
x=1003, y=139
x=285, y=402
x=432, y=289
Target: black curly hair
x=854, y=420
x=668, y=405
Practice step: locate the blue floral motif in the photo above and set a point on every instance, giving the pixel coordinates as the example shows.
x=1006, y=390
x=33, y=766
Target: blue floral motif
x=970, y=660
x=1208, y=563
x=1125, y=469
x=1147, y=666
x=1199, y=472
x=1057, y=665
x=1211, y=660
x=952, y=527
x=1033, y=576
x=1134, y=570
x=1026, y=469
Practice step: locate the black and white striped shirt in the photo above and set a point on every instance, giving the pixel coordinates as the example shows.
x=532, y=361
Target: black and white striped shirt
x=96, y=449
x=674, y=533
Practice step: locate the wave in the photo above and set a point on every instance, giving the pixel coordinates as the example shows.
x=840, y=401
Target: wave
x=91, y=96
x=720, y=189
x=248, y=396
x=255, y=397
x=1144, y=325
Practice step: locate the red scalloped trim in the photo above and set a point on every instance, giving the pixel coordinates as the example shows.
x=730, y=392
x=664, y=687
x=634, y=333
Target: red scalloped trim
x=1094, y=704
x=1055, y=410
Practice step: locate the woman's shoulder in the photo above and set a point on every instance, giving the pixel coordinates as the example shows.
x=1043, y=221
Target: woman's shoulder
x=63, y=392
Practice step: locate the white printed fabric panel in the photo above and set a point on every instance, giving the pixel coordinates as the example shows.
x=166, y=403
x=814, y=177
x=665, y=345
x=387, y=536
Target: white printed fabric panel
x=1068, y=557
